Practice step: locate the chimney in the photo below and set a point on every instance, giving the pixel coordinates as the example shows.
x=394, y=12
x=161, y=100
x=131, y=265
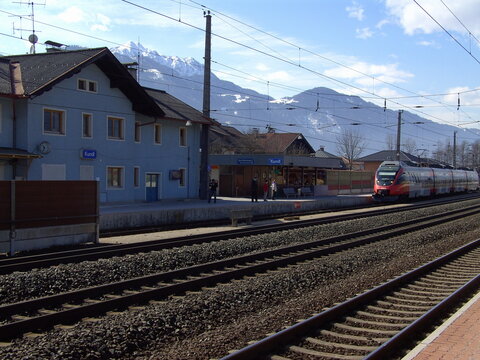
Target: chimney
x=132, y=69
x=16, y=79
x=321, y=148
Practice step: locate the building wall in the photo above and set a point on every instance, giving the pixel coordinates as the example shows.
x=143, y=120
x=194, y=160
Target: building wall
x=126, y=154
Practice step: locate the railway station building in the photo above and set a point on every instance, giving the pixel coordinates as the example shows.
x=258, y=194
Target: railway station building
x=81, y=115
x=288, y=158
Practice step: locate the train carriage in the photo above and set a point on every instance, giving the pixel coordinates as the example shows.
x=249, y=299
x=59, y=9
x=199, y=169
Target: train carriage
x=395, y=180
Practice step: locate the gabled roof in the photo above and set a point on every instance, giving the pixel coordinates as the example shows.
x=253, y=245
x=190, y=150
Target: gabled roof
x=176, y=109
x=386, y=155
x=229, y=139
x=326, y=155
x=277, y=143
x=42, y=71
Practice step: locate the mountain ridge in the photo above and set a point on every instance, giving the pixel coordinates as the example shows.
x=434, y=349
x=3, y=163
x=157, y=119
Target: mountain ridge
x=320, y=114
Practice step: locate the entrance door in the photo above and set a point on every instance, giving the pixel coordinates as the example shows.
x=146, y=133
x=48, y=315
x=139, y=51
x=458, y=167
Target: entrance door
x=151, y=187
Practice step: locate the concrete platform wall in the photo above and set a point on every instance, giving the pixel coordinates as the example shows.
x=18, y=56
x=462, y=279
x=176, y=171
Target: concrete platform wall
x=206, y=212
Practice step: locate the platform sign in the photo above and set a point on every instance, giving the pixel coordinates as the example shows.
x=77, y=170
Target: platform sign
x=88, y=154
x=275, y=161
x=245, y=161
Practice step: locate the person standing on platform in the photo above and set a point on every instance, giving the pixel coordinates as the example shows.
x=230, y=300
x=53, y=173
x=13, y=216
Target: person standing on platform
x=254, y=189
x=273, y=187
x=265, y=190
x=212, y=187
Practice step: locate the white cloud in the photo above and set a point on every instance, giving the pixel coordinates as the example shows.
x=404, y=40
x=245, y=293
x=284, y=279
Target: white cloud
x=355, y=11
x=262, y=67
x=102, y=23
x=364, y=74
x=364, y=33
x=73, y=15
x=415, y=20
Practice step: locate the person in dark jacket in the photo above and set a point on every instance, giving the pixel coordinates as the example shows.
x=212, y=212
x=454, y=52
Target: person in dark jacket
x=212, y=190
x=254, y=189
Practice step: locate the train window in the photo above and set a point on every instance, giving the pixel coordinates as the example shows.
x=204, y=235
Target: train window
x=402, y=179
x=385, y=177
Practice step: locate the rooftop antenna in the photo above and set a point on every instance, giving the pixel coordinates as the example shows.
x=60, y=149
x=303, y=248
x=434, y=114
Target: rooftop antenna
x=33, y=38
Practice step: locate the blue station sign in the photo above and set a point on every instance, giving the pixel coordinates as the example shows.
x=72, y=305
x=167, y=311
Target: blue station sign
x=88, y=154
x=245, y=161
x=275, y=161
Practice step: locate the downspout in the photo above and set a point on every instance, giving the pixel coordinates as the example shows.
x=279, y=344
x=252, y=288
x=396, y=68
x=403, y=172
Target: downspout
x=14, y=136
x=17, y=91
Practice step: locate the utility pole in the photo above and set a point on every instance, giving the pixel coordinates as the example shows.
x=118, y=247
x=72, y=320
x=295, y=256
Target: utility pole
x=206, y=108
x=399, y=126
x=454, y=149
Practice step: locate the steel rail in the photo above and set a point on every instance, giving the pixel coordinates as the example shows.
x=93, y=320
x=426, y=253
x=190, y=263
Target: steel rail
x=242, y=266
x=295, y=333
x=25, y=263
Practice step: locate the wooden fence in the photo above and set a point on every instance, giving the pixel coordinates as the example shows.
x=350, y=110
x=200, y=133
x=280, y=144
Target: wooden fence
x=38, y=214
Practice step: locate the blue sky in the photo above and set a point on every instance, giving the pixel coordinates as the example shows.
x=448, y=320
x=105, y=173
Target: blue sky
x=377, y=49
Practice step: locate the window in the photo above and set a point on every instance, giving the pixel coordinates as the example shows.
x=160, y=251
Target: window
x=115, y=128
x=138, y=131
x=136, y=176
x=86, y=125
x=53, y=121
x=87, y=85
x=158, y=133
x=82, y=84
x=182, y=177
x=183, y=136
x=114, y=177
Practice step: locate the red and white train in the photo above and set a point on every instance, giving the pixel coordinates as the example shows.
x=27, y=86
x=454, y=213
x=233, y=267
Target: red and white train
x=395, y=180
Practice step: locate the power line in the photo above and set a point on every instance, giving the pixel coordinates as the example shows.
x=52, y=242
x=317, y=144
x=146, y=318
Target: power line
x=446, y=31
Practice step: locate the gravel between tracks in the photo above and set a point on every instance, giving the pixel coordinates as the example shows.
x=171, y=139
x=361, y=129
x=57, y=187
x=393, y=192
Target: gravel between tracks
x=221, y=319
x=20, y=286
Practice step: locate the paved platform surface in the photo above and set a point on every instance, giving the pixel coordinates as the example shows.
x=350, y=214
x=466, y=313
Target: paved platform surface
x=457, y=339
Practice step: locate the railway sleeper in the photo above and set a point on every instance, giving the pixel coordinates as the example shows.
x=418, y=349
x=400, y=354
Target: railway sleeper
x=444, y=280
x=410, y=301
x=355, y=338
x=404, y=306
x=395, y=311
x=460, y=275
x=431, y=291
x=320, y=342
x=412, y=294
x=301, y=350
x=461, y=268
x=386, y=317
x=356, y=320
x=433, y=287
x=356, y=330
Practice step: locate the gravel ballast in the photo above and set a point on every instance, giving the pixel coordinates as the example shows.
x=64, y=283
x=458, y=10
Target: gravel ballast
x=208, y=324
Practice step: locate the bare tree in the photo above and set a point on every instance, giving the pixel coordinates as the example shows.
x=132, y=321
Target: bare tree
x=390, y=141
x=350, y=144
x=410, y=146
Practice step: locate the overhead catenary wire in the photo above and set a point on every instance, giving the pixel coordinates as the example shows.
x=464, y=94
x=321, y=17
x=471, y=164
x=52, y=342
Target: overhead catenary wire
x=196, y=28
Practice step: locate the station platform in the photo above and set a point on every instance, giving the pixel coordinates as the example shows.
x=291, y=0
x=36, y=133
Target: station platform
x=195, y=211
x=457, y=339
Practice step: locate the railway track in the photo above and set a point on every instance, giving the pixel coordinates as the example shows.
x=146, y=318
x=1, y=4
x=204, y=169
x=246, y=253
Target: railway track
x=66, y=308
x=26, y=263
x=381, y=323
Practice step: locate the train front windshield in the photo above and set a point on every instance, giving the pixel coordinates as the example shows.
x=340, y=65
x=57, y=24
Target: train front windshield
x=386, y=175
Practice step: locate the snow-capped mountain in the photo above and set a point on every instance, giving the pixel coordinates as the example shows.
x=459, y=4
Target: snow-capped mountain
x=183, y=66
x=320, y=114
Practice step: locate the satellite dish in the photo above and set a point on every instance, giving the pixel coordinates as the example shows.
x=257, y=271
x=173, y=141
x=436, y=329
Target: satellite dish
x=33, y=39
